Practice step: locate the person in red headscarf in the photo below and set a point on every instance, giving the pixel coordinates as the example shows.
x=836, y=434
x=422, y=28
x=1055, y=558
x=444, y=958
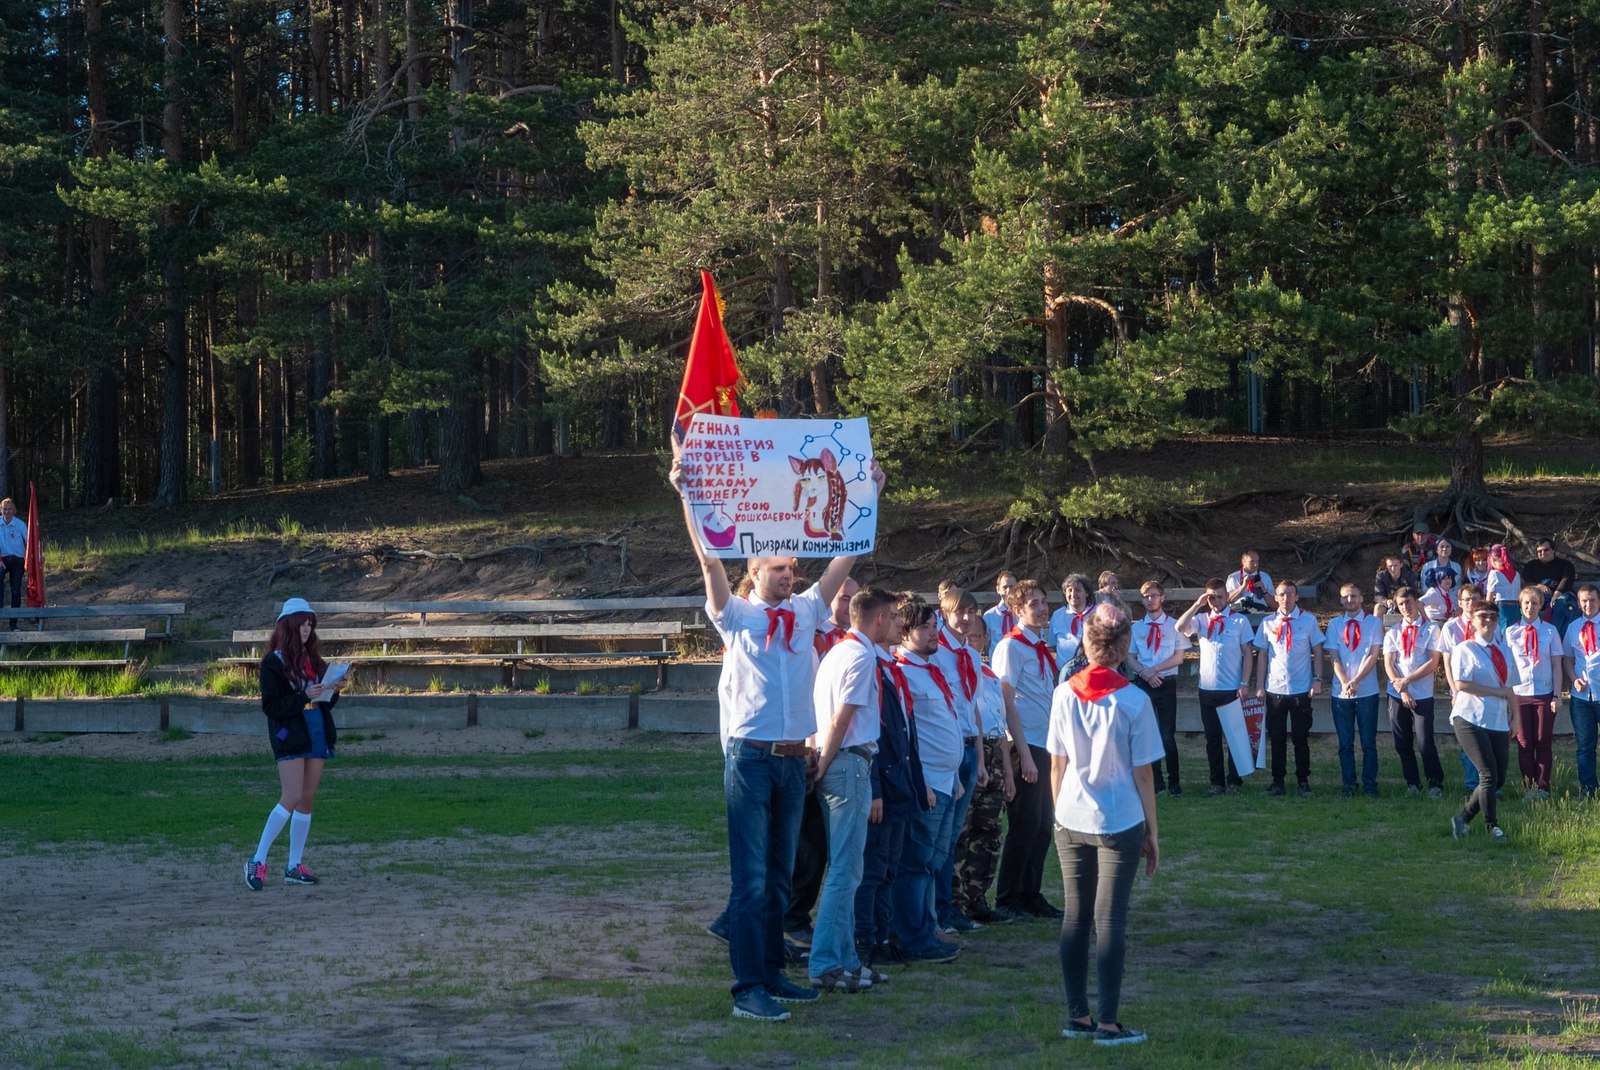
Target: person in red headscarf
x=1103, y=744
x=1485, y=677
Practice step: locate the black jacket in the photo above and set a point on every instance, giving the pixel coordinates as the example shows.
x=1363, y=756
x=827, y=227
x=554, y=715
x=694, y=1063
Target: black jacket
x=283, y=700
x=897, y=767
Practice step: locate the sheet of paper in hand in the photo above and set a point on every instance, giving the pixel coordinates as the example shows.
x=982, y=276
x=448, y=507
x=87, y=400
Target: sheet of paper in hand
x=762, y=488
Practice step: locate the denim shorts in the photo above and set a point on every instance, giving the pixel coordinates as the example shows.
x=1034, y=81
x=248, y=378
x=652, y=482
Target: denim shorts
x=319, y=737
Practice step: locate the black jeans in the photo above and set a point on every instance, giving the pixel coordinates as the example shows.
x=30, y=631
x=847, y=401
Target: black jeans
x=1165, y=701
x=1216, y=746
x=1286, y=712
x=1027, y=840
x=1415, y=726
x=880, y=864
x=12, y=566
x=1489, y=751
x=1097, y=872
x=810, y=861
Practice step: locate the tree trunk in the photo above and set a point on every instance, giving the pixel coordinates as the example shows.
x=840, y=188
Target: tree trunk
x=101, y=445
x=417, y=438
x=1057, y=430
x=319, y=376
x=519, y=399
x=5, y=429
x=544, y=428
x=378, y=449
x=458, y=452
x=172, y=486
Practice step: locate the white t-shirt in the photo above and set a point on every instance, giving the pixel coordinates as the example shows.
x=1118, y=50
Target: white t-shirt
x=1288, y=642
x=999, y=620
x=1066, y=632
x=991, y=704
x=1499, y=589
x=1438, y=606
x=1535, y=647
x=1103, y=739
x=1585, y=654
x=1423, y=644
x=13, y=538
x=1470, y=661
x=1261, y=594
x=1155, y=639
x=1033, y=679
x=1434, y=568
x=765, y=689
x=1366, y=631
x=1223, y=637
x=952, y=653
x=848, y=675
x=938, y=731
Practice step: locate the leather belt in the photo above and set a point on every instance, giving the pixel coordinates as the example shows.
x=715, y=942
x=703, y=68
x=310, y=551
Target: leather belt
x=781, y=749
x=861, y=749
x=969, y=741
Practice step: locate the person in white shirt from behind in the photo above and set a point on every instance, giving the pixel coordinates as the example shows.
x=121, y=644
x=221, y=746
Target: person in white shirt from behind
x=1355, y=639
x=1153, y=661
x=1536, y=646
x=1225, y=639
x=1103, y=741
x=845, y=697
x=1066, y=624
x=1485, y=677
x=1410, y=656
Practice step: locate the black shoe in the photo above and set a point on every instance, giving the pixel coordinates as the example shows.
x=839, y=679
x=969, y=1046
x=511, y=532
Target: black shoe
x=1002, y=914
x=1235, y=789
x=983, y=914
x=1214, y=790
x=1304, y=790
x=1371, y=793
x=887, y=954
x=1276, y=788
x=1346, y=791
x=939, y=952
x=794, y=954
x=1174, y=790
x=786, y=991
x=1041, y=908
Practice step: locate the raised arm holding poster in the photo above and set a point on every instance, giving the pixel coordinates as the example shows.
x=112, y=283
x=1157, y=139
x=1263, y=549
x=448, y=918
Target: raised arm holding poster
x=759, y=488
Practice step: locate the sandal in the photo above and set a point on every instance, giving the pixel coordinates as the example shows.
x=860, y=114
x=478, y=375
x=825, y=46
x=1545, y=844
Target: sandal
x=1081, y=1029
x=837, y=979
x=869, y=976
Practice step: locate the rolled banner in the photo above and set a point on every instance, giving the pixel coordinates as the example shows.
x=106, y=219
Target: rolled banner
x=1262, y=758
x=1237, y=734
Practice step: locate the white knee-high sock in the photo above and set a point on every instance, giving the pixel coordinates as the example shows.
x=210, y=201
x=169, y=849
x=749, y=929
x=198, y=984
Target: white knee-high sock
x=275, y=822
x=299, y=828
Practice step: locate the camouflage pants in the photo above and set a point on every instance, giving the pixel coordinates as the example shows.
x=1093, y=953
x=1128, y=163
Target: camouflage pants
x=978, y=849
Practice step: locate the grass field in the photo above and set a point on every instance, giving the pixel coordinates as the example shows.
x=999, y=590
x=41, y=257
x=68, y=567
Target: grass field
x=547, y=910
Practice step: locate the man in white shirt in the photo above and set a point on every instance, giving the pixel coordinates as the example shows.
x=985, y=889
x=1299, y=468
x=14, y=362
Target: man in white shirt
x=928, y=839
x=1154, y=658
x=1066, y=624
x=1288, y=673
x=765, y=700
x=1355, y=638
x=998, y=618
x=1250, y=588
x=13, y=553
x=1226, y=646
x=1026, y=665
x=962, y=666
x=845, y=697
x=1582, y=646
x=1410, y=656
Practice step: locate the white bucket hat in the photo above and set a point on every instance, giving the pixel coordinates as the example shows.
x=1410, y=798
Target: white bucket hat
x=296, y=605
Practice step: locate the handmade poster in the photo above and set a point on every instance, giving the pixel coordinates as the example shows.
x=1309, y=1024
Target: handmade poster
x=1259, y=713
x=1237, y=733
x=763, y=488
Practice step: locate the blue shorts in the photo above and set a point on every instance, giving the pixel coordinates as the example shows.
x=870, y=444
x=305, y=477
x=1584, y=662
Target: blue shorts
x=319, y=737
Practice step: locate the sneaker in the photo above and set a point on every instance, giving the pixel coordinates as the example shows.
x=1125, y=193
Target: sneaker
x=945, y=927
x=794, y=954
x=1235, y=789
x=786, y=991
x=1304, y=791
x=1174, y=791
x=299, y=874
x=983, y=914
x=1497, y=834
x=1275, y=789
x=937, y=952
x=960, y=923
x=799, y=938
x=1213, y=791
x=1413, y=789
x=1458, y=827
x=1000, y=915
x=1435, y=793
x=757, y=1006
x=1041, y=908
x=255, y=874
x=719, y=928
x=1347, y=791
x=1080, y=1030
x=888, y=954
x=1114, y=1036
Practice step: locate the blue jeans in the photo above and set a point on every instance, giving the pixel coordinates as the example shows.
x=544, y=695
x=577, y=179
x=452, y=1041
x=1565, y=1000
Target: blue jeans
x=846, y=794
x=1349, y=716
x=944, y=880
x=927, y=836
x=874, y=912
x=1563, y=610
x=1585, y=714
x=765, y=795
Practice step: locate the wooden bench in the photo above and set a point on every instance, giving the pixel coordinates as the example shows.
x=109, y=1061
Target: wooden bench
x=38, y=635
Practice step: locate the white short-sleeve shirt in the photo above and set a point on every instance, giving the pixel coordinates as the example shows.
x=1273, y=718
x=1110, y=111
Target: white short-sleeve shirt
x=1287, y=641
x=1222, y=638
x=1497, y=588
x=765, y=689
x=1019, y=664
x=1103, y=740
x=1410, y=651
x=952, y=653
x=1066, y=632
x=1267, y=586
x=1471, y=661
x=1535, y=647
x=848, y=676
x=938, y=730
x=991, y=704
x=13, y=538
x=1155, y=639
x=999, y=620
x=1366, y=633
x=1584, y=649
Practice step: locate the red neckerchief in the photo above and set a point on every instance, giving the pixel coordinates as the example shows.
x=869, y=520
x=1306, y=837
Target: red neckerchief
x=307, y=670
x=1351, y=641
x=1077, y=621
x=1286, y=631
x=1499, y=660
x=1586, y=638
x=825, y=640
x=934, y=674
x=1216, y=622
x=774, y=617
x=1466, y=628
x=1530, y=642
x=966, y=667
x=1046, y=655
x=1449, y=606
x=1506, y=569
x=1096, y=681
x=1408, y=638
x=1152, y=634
x=898, y=675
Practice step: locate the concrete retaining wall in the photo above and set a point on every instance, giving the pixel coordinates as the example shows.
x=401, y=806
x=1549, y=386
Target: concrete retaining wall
x=223, y=716
x=603, y=712
x=91, y=715
x=678, y=713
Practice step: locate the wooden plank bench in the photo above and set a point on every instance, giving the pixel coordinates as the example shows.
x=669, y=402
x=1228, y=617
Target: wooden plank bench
x=101, y=610
x=39, y=635
x=126, y=636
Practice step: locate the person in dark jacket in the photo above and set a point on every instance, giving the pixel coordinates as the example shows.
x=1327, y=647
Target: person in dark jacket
x=299, y=711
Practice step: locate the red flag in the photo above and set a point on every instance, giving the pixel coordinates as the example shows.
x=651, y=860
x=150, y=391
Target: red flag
x=710, y=375
x=33, y=556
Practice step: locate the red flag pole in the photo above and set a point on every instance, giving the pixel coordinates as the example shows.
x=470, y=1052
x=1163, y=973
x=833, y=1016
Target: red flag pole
x=711, y=374
x=33, y=557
